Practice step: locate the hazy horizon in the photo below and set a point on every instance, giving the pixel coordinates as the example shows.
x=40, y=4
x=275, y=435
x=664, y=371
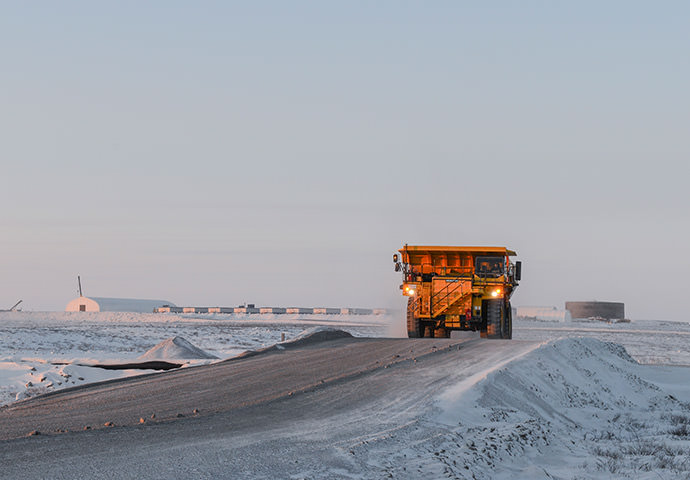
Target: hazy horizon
x=218, y=153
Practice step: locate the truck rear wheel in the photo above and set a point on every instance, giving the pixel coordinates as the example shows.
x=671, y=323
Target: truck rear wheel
x=441, y=333
x=414, y=329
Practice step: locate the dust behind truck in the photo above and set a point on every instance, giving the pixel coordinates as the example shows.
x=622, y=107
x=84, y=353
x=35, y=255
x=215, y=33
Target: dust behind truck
x=458, y=288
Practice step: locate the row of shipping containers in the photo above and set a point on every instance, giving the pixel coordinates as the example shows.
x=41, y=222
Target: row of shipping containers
x=273, y=310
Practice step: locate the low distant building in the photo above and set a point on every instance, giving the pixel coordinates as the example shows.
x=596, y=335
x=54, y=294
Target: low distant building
x=543, y=314
x=100, y=304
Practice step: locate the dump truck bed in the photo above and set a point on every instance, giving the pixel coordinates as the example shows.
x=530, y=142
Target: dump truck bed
x=472, y=250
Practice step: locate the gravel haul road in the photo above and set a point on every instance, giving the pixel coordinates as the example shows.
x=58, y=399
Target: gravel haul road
x=297, y=409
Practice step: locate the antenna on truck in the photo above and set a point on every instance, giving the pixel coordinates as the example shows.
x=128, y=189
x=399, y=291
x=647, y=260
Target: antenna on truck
x=79, y=281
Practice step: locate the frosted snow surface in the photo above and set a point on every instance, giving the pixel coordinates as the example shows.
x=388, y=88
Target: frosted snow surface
x=572, y=408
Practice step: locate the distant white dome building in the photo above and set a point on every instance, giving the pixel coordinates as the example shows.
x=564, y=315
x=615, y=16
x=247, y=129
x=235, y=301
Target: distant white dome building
x=100, y=304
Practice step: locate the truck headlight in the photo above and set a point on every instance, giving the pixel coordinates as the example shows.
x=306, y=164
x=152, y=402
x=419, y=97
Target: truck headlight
x=409, y=290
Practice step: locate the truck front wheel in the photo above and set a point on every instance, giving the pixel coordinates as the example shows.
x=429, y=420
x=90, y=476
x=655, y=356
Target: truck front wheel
x=498, y=324
x=508, y=322
x=414, y=329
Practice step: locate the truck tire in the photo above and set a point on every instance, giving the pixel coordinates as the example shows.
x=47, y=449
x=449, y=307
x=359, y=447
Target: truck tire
x=413, y=326
x=495, y=318
x=508, y=322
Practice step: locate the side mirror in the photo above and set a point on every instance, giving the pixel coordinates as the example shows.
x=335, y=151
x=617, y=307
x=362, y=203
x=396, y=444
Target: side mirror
x=395, y=258
x=518, y=271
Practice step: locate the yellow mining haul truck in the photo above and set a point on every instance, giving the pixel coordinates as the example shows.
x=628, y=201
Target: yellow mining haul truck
x=458, y=288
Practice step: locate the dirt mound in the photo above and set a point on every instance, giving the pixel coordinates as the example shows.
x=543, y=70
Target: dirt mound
x=311, y=336
x=176, y=348
x=316, y=335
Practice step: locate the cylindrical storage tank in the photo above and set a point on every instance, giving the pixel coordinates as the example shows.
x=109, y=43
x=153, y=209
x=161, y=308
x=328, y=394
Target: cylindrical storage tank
x=608, y=310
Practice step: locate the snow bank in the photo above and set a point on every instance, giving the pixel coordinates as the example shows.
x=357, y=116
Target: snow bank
x=571, y=405
x=176, y=348
x=22, y=378
x=575, y=372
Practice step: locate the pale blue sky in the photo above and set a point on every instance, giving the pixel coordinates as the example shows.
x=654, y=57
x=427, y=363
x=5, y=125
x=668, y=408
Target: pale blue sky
x=213, y=153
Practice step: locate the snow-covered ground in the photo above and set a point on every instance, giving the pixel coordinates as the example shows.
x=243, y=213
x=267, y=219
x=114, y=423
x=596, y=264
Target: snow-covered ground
x=583, y=400
x=652, y=342
x=44, y=351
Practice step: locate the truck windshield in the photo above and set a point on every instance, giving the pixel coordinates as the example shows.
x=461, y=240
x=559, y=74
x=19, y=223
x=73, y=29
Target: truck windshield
x=489, y=266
